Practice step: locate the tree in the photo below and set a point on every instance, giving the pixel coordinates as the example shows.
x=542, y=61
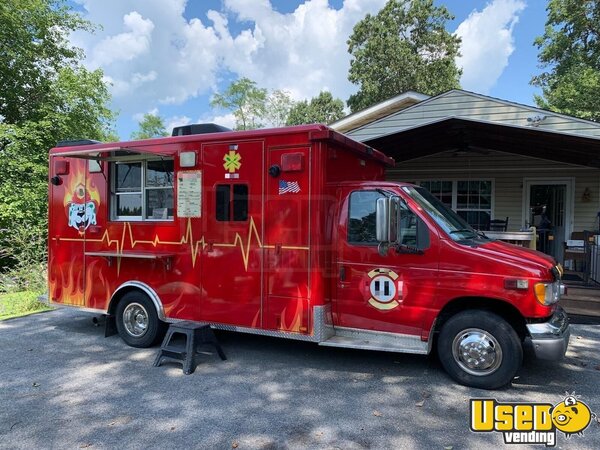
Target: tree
x=278, y=107
x=569, y=51
x=33, y=47
x=46, y=96
x=75, y=108
x=404, y=47
x=246, y=100
x=150, y=126
x=321, y=109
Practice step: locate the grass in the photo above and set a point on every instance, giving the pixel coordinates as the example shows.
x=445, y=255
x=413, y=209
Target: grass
x=18, y=304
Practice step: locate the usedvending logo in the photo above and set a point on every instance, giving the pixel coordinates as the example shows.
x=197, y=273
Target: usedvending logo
x=531, y=423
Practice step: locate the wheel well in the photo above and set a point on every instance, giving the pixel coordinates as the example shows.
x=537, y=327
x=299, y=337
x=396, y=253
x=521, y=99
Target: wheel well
x=117, y=296
x=505, y=310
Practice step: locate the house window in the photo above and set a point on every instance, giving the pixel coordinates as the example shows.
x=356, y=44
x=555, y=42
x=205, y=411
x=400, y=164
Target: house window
x=142, y=190
x=231, y=203
x=471, y=199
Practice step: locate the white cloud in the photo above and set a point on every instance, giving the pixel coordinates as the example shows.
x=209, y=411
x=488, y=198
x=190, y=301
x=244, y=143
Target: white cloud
x=153, y=55
x=487, y=43
x=124, y=46
x=176, y=121
x=303, y=52
x=226, y=120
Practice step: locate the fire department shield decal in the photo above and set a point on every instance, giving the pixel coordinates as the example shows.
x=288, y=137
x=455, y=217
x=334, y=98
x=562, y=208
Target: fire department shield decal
x=384, y=288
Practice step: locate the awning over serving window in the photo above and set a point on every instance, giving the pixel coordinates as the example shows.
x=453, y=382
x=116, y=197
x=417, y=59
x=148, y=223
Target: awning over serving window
x=113, y=154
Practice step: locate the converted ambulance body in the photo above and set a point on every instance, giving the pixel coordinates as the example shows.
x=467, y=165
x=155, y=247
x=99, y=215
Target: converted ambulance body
x=293, y=233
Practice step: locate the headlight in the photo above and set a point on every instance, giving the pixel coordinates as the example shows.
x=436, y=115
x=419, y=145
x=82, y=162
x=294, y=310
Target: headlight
x=547, y=293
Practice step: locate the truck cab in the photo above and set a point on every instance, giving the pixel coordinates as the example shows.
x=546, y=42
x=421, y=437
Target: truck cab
x=408, y=265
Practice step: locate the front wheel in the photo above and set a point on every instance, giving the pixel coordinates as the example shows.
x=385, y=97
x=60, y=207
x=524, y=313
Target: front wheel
x=480, y=349
x=137, y=321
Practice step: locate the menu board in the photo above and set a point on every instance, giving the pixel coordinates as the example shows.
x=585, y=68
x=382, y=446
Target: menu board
x=189, y=193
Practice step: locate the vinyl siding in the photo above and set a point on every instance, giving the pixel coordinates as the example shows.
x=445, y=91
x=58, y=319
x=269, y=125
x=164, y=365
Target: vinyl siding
x=508, y=172
x=471, y=106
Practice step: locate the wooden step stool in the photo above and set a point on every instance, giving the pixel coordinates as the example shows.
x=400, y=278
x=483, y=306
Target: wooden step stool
x=196, y=334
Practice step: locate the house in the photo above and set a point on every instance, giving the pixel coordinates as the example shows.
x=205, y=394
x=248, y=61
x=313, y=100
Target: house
x=489, y=158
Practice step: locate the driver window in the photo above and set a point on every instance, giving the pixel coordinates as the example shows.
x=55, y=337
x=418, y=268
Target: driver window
x=408, y=227
x=413, y=231
x=361, y=220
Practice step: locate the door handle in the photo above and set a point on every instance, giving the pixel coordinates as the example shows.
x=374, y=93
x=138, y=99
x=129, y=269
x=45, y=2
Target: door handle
x=342, y=273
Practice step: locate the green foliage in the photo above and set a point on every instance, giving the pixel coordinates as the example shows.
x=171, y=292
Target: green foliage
x=20, y=304
x=404, y=47
x=321, y=109
x=33, y=48
x=46, y=97
x=569, y=51
x=246, y=100
x=29, y=251
x=75, y=109
x=151, y=126
x=278, y=107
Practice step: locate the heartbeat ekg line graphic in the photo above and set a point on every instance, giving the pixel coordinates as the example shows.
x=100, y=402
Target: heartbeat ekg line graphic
x=186, y=239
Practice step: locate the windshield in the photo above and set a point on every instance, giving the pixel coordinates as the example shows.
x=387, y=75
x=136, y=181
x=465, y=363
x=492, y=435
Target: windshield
x=454, y=225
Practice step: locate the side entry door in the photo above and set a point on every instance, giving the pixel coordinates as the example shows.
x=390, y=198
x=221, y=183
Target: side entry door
x=231, y=266
x=382, y=292
x=287, y=240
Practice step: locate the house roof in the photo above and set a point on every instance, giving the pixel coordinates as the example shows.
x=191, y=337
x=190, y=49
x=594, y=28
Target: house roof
x=469, y=135
x=469, y=105
x=381, y=109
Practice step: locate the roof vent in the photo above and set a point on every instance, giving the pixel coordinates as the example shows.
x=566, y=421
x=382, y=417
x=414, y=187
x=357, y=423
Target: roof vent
x=198, y=128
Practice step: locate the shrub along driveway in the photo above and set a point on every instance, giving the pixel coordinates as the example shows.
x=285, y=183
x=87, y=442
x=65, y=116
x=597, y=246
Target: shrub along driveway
x=63, y=385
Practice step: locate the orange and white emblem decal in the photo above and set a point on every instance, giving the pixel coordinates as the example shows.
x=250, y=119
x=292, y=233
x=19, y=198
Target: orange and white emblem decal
x=384, y=288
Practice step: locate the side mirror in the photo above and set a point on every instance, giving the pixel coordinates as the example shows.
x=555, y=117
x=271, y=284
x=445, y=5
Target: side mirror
x=387, y=219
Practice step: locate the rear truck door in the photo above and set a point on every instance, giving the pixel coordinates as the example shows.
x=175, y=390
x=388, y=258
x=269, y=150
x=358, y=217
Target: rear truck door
x=73, y=200
x=287, y=240
x=232, y=264
x=387, y=293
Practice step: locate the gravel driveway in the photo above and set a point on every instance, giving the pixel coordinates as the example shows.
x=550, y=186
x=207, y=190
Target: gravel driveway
x=63, y=385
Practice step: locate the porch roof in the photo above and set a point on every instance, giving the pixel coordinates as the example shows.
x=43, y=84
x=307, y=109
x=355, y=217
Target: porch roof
x=468, y=135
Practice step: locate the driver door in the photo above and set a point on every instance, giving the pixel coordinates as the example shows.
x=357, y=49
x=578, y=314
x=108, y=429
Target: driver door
x=382, y=292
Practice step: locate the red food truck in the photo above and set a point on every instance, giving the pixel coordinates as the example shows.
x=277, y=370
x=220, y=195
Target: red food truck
x=293, y=233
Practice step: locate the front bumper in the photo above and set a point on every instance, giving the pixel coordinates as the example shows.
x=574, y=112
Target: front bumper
x=550, y=339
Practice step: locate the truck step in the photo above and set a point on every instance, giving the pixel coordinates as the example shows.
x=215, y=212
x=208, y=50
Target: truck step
x=375, y=340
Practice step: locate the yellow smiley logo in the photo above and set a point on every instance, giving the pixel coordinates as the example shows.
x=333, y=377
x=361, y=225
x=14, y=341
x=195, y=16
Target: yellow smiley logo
x=571, y=416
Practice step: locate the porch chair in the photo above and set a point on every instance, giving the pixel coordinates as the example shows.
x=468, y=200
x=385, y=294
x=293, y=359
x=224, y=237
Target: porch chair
x=499, y=225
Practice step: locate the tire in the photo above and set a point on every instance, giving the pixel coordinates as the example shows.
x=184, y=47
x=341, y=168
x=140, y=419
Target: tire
x=480, y=349
x=137, y=320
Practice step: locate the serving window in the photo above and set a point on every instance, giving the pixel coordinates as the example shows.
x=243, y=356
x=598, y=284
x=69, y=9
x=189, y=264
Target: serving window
x=142, y=190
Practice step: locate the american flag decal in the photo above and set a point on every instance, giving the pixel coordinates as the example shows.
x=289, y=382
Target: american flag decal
x=288, y=186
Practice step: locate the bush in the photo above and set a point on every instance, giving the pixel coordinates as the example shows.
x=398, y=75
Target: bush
x=24, y=265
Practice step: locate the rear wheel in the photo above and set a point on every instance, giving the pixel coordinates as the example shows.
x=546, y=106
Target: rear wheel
x=480, y=349
x=137, y=321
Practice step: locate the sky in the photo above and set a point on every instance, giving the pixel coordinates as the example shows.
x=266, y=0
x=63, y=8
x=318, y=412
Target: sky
x=169, y=57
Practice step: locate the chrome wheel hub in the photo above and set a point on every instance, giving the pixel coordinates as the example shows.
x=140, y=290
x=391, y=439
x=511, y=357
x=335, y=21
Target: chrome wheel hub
x=135, y=320
x=477, y=352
